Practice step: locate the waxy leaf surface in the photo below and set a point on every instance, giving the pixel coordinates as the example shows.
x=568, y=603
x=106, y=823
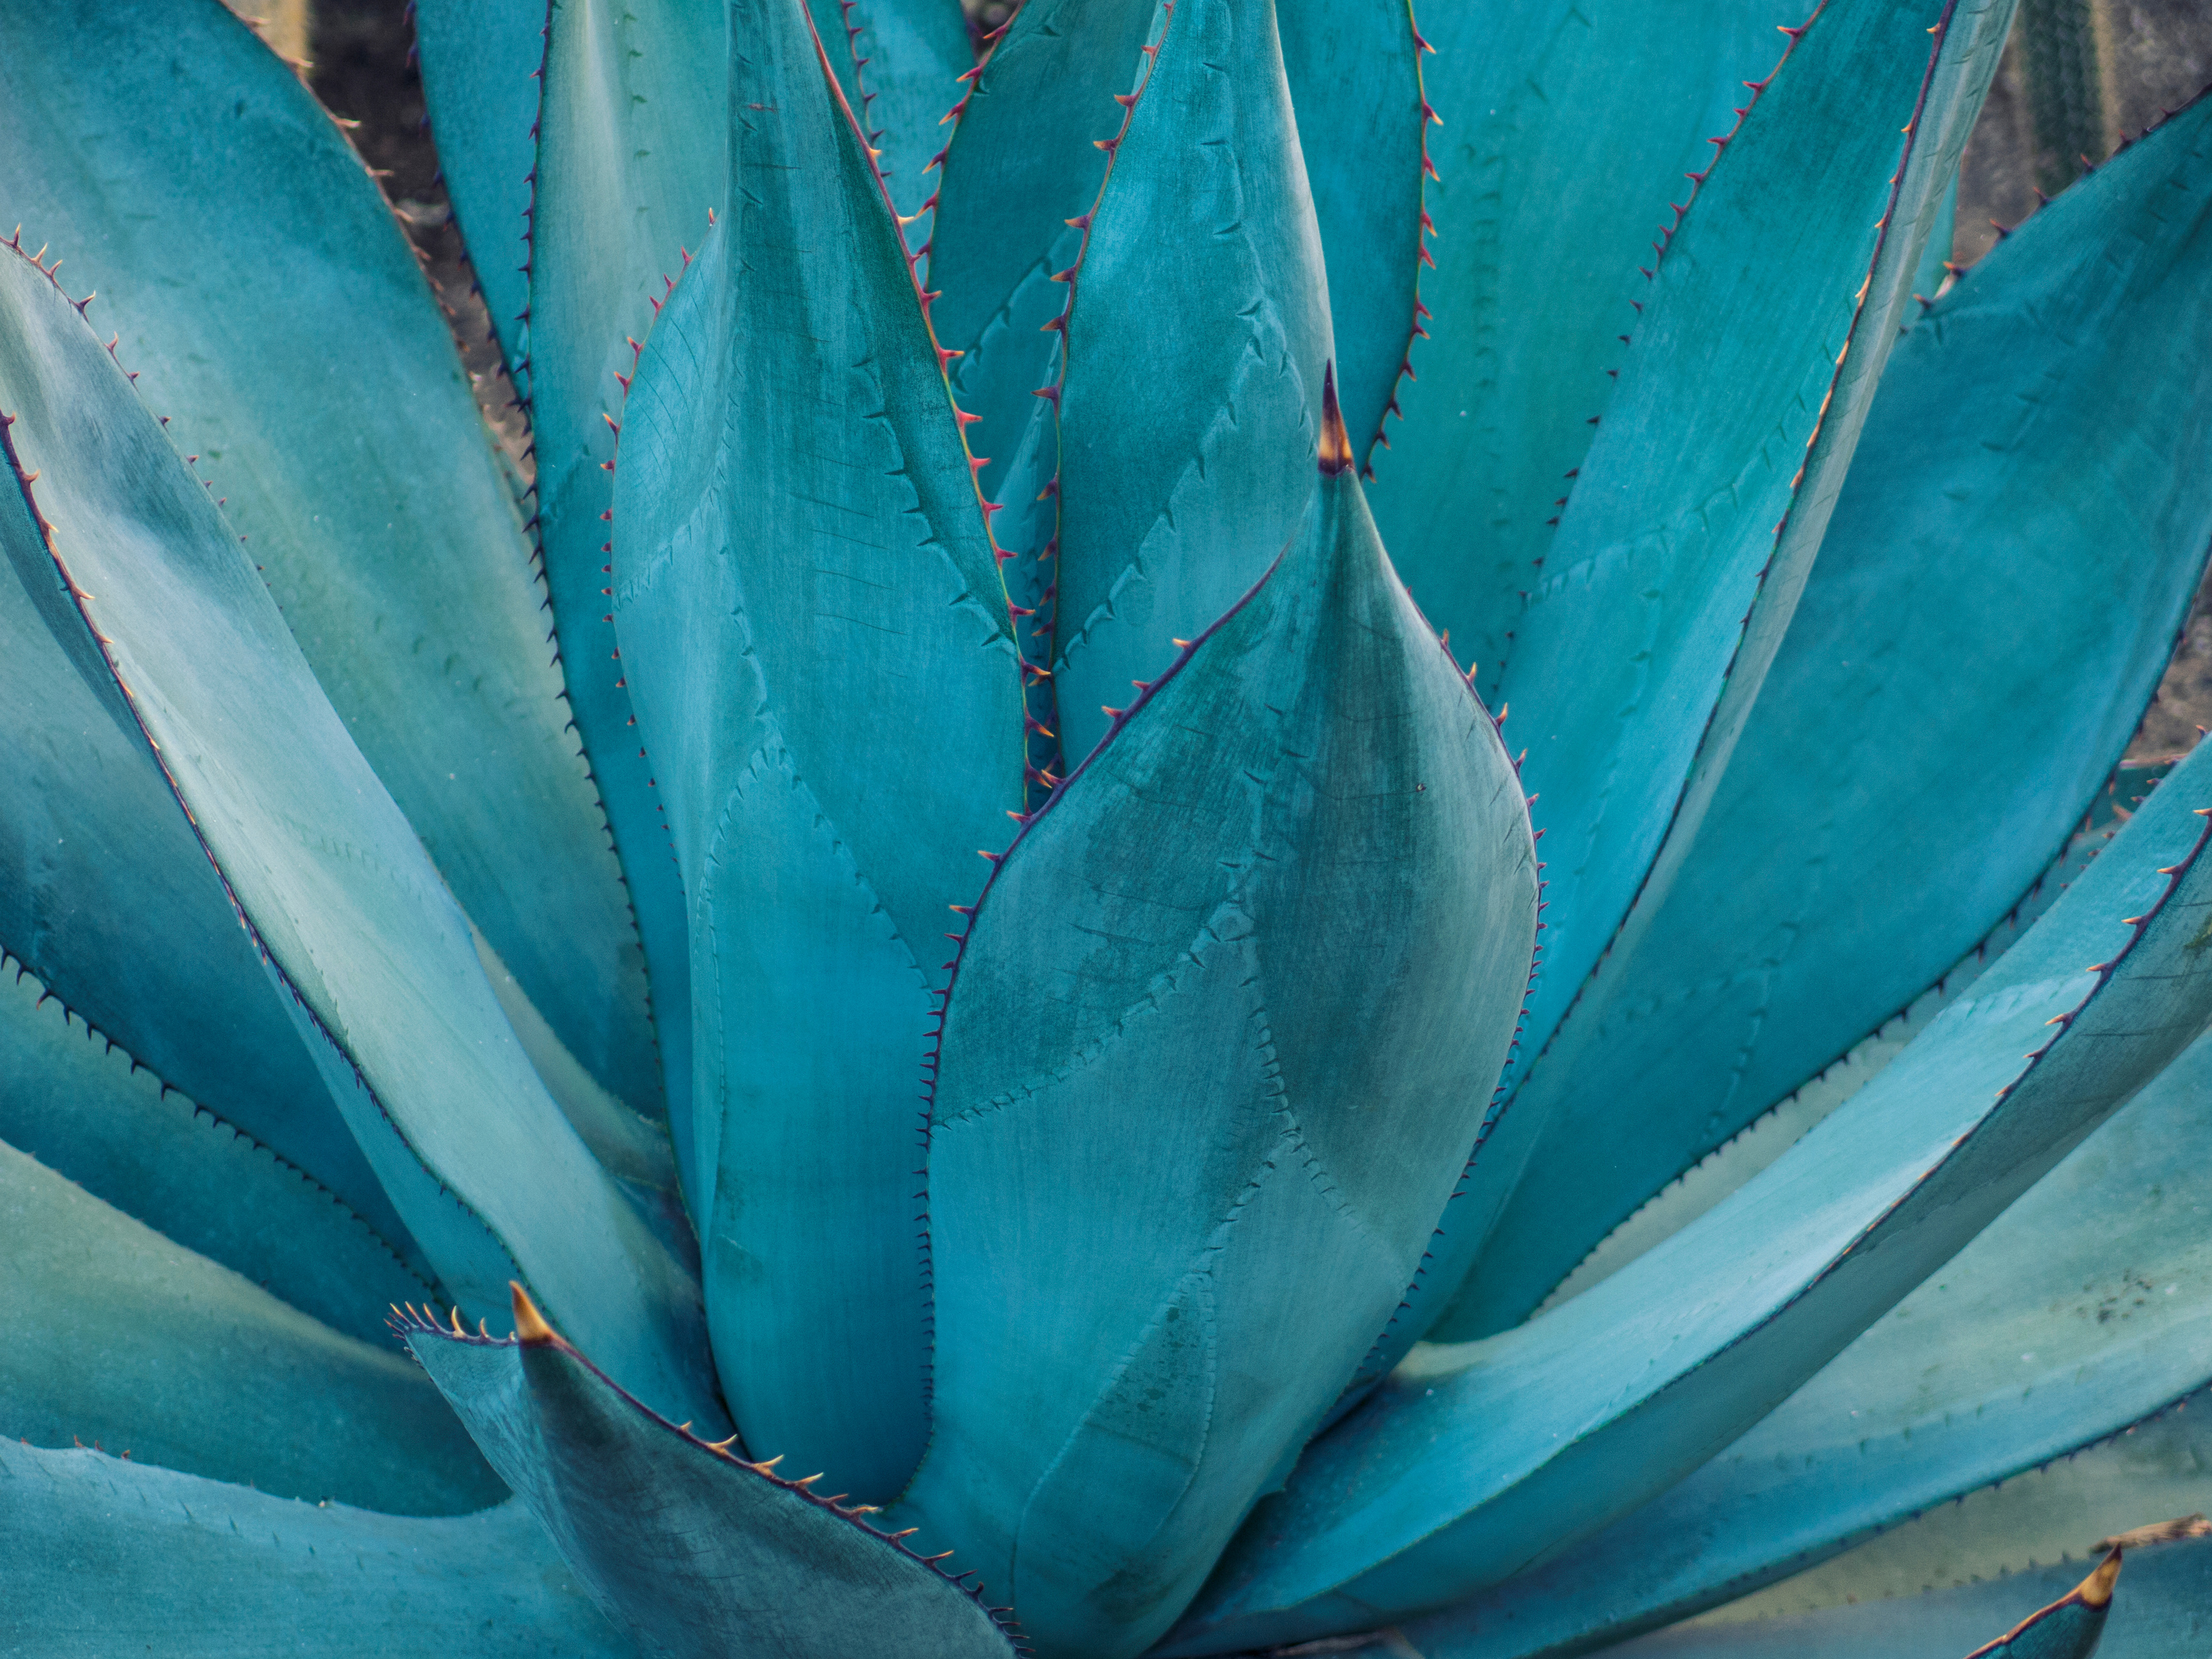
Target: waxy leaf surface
x=275, y=315
x=374, y=958
x=1472, y=1462
x=2009, y=565
x=821, y=662
x=686, y=1546
x=1274, y=933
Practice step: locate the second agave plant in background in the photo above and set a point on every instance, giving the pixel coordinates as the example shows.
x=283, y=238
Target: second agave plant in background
x=1248, y=483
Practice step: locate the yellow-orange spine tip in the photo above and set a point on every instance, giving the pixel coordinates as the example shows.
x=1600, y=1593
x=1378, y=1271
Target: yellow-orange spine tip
x=1336, y=445
x=530, y=1325
x=2096, y=1590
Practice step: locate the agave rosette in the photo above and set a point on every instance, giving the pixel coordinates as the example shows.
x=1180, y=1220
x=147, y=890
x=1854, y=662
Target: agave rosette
x=1247, y=472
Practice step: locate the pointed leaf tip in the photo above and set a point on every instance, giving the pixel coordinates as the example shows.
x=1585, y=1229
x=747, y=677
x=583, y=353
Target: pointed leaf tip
x=530, y=1325
x=1336, y=445
x=2096, y=1590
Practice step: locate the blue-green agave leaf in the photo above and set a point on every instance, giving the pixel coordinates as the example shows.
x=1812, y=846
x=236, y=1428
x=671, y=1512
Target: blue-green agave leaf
x=2007, y=569
x=275, y=315
x=902, y=65
x=1354, y=73
x=1195, y=335
x=2082, y=1311
x=96, y=865
x=1681, y=554
x=1347, y=890
x=1473, y=1461
x=1568, y=129
x=1935, y=267
x=111, y=1333
x=822, y=662
x=81, y=1106
x=375, y=957
x=684, y=1544
x=2159, y=1615
x=99, y=1556
x=630, y=165
x=480, y=67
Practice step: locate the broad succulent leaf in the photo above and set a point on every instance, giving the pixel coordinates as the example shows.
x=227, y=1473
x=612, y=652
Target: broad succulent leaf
x=684, y=1544
x=1355, y=900
x=824, y=665
x=1682, y=550
x=624, y=164
x=86, y=1110
x=109, y=1556
x=109, y=1333
x=902, y=65
x=1567, y=128
x=274, y=313
x=375, y=960
x=2025, y=523
x=99, y=863
x=1474, y=1461
x=2083, y=1309
x=2158, y=1614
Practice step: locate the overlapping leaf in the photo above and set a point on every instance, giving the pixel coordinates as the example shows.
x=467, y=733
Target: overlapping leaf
x=1274, y=933
x=2028, y=514
x=104, y=1556
x=1477, y=1461
x=373, y=957
x=273, y=313
x=688, y=1548
x=821, y=660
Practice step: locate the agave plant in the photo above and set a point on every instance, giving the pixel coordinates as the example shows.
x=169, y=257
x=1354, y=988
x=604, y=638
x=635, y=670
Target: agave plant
x=1248, y=471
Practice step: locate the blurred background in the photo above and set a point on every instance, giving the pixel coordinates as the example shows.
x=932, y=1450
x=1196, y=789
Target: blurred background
x=2077, y=77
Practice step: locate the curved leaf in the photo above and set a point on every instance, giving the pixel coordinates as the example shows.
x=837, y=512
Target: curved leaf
x=1680, y=554
x=82, y=1106
x=2083, y=1309
x=1474, y=1461
x=900, y=64
x=630, y=166
x=96, y=861
x=1568, y=129
x=481, y=79
x=111, y=1333
x=686, y=1546
x=1290, y=1008
x=336, y=892
x=2158, y=1615
x=821, y=659
x=2027, y=517
x=274, y=313
x=100, y=1556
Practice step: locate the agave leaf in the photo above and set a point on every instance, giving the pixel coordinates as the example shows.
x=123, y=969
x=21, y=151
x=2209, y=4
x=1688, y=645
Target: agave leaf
x=2027, y=520
x=1122, y=1364
x=684, y=1545
x=1701, y=502
x=272, y=310
x=2082, y=1310
x=83, y=1107
x=373, y=955
x=823, y=660
x=1473, y=1461
x=2170, y=1587
x=900, y=64
x=110, y=1333
x=103, y=1556
x=481, y=80
x=1197, y=331
x=628, y=166
x=1354, y=72
x=98, y=861
x=1568, y=128
x=1935, y=266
